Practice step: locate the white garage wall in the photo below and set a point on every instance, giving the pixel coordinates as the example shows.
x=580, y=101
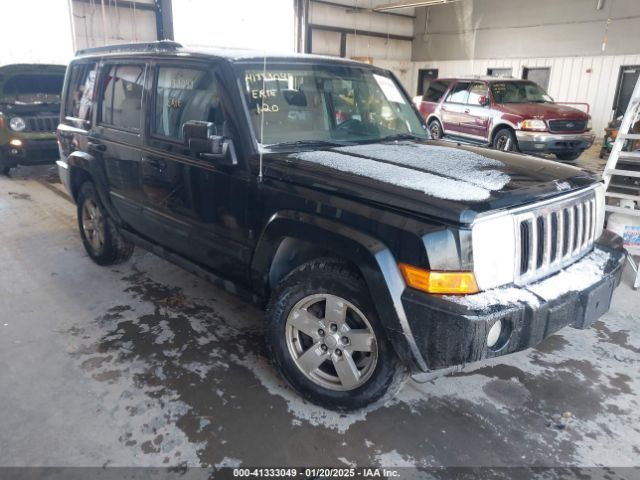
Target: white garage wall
x=255, y=24
x=569, y=81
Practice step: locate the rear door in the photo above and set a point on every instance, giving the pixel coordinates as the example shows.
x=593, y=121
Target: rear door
x=193, y=206
x=453, y=108
x=116, y=138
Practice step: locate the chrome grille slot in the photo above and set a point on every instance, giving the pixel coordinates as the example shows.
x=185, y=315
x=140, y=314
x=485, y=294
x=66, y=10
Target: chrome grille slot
x=41, y=123
x=554, y=235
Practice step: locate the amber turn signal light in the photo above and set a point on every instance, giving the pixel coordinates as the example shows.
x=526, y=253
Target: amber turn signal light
x=452, y=283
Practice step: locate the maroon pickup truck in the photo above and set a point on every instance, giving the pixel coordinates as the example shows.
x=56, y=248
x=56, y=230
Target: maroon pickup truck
x=507, y=114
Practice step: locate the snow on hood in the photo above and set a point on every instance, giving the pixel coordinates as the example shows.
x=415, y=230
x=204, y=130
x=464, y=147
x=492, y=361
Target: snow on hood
x=578, y=276
x=396, y=174
x=449, y=162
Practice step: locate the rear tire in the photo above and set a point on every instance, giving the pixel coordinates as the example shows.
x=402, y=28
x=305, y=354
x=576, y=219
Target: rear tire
x=570, y=156
x=505, y=140
x=325, y=338
x=435, y=129
x=4, y=169
x=100, y=236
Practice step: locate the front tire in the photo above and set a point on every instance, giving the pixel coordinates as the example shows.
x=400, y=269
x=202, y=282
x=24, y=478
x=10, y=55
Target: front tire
x=505, y=140
x=100, y=236
x=435, y=130
x=324, y=336
x=570, y=156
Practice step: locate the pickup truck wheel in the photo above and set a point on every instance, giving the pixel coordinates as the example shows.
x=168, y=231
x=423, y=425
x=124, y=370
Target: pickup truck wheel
x=325, y=338
x=101, y=239
x=435, y=130
x=505, y=140
x=568, y=156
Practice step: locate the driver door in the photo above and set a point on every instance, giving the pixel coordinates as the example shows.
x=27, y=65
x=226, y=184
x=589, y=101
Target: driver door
x=192, y=206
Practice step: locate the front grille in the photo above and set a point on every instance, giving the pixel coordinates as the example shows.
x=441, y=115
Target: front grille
x=41, y=123
x=567, y=125
x=552, y=236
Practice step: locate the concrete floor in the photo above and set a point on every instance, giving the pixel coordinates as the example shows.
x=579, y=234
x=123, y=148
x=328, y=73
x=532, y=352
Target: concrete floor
x=144, y=364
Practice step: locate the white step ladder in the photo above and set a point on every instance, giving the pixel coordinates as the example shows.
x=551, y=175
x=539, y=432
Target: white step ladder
x=624, y=169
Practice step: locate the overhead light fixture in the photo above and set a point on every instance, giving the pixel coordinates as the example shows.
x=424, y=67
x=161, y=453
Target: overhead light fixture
x=410, y=4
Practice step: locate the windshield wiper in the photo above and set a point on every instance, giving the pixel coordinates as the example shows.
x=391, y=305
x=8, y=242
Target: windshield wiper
x=401, y=136
x=307, y=143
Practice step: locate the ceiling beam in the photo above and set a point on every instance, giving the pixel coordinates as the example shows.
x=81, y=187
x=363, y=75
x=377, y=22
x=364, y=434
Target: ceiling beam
x=410, y=4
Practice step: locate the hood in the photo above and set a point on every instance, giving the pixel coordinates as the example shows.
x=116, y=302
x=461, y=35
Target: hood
x=429, y=178
x=547, y=111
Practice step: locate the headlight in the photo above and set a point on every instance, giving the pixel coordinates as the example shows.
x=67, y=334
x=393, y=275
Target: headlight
x=494, y=251
x=17, y=124
x=533, y=124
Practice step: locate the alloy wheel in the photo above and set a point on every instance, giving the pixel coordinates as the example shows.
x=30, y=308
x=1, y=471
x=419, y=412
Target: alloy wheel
x=93, y=225
x=331, y=342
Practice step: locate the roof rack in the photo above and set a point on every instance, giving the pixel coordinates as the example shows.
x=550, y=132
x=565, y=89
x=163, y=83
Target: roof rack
x=164, y=45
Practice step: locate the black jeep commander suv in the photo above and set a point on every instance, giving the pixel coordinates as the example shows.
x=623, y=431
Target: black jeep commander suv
x=309, y=185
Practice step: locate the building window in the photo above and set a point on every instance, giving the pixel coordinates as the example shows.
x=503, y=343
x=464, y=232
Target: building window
x=537, y=75
x=500, y=72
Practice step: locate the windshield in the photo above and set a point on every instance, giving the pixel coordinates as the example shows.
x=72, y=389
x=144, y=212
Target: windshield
x=32, y=88
x=519, y=92
x=305, y=103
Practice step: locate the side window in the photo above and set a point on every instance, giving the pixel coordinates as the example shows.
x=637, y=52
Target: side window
x=459, y=94
x=121, y=104
x=184, y=94
x=477, y=91
x=435, y=91
x=80, y=95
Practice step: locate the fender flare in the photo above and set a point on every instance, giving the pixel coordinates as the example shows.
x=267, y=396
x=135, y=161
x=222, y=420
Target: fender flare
x=82, y=161
x=502, y=124
x=372, y=257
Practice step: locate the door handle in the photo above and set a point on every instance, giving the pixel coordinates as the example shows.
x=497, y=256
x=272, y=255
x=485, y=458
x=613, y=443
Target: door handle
x=97, y=147
x=157, y=164
x=466, y=110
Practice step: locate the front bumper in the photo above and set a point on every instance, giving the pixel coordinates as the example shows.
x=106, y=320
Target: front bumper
x=31, y=152
x=544, y=142
x=450, y=333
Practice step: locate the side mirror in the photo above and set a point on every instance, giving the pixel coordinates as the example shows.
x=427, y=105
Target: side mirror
x=484, y=100
x=203, y=143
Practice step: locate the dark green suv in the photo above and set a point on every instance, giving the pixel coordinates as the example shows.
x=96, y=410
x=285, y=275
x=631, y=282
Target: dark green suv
x=29, y=114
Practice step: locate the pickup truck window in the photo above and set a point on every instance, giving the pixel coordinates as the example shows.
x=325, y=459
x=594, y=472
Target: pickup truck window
x=184, y=94
x=435, y=91
x=336, y=103
x=80, y=96
x=459, y=93
x=477, y=91
x=122, y=98
x=518, y=92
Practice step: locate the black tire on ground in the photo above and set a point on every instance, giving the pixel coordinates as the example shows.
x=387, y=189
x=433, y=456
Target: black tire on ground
x=570, y=156
x=322, y=280
x=100, y=236
x=505, y=140
x=4, y=169
x=435, y=129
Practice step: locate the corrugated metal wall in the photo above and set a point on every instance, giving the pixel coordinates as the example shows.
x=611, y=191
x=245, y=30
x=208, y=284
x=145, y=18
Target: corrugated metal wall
x=573, y=79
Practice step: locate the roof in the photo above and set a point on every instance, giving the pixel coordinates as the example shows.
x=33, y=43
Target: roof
x=484, y=78
x=171, y=47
